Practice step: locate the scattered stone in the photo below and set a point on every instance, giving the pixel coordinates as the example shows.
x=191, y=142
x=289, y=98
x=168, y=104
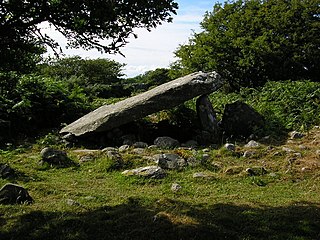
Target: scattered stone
x=138, y=151
x=318, y=153
x=170, y=161
x=302, y=147
x=306, y=169
x=297, y=155
x=147, y=172
x=206, y=150
x=203, y=175
x=124, y=148
x=166, y=142
x=240, y=119
x=86, y=151
x=115, y=156
x=140, y=145
x=87, y=158
x=152, y=146
x=288, y=150
x=252, y=144
x=111, y=149
x=162, y=97
x=273, y=174
x=72, y=202
x=54, y=157
x=6, y=171
x=296, y=135
x=175, y=187
x=229, y=146
x=256, y=171
x=14, y=194
x=248, y=154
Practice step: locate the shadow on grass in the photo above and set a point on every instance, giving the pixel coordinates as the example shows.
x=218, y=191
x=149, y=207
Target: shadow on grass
x=170, y=219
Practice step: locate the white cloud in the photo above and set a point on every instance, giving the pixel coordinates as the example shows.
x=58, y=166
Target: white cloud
x=151, y=49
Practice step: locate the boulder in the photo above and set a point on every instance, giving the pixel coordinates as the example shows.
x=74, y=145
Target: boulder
x=252, y=144
x=165, y=96
x=166, y=142
x=240, y=120
x=146, y=172
x=55, y=157
x=14, y=194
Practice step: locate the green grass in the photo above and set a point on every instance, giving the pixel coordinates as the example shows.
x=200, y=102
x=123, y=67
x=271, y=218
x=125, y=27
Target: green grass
x=282, y=204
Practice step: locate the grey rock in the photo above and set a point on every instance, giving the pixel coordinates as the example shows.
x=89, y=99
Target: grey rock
x=112, y=149
x=175, y=187
x=86, y=158
x=54, y=157
x=6, y=171
x=318, y=153
x=229, y=146
x=287, y=150
x=165, y=96
x=146, y=172
x=140, y=145
x=240, y=119
x=296, y=135
x=14, y=194
x=139, y=151
x=170, y=161
x=203, y=175
x=252, y=144
x=248, y=154
x=166, y=142
x=124, y=148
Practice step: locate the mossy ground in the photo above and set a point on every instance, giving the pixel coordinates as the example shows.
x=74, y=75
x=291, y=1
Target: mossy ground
x=93, y=201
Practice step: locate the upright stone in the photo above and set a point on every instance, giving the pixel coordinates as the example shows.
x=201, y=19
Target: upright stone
x=165, y=96
x=207, y=117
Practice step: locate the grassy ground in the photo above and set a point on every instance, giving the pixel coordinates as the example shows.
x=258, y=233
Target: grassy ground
x=92, y=202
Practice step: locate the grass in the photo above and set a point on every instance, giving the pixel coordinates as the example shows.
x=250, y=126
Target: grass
x=93, y=201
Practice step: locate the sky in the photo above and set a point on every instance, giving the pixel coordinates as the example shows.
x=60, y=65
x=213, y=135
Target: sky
x=153, y=49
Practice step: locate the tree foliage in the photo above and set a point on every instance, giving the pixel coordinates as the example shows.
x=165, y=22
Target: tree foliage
x=83, y=22
x=252, y=41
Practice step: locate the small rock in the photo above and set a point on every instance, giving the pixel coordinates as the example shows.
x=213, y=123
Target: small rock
x=170, y=161
x=152, y=146
x=248, y=154
x=110, y=149
x=14, y=194
x=229, y=146
x=166, y=142
x=273, y=175
x=256, y=171
x=233, y=170
x=205, y=157
x=138, y=151
x=206, y=150
x=203, y=175
x=318, y=153
x=306, y=169
x=86, y=158
x=252, y=144
x=297, y=155
x=175, y=187
x=140, y=145
x=302, y=147
x=6, y=171
x=124, y=148
x=147, y=172
x=296, y=135
x=72, y=202
x=287, y=150
x=54, y=157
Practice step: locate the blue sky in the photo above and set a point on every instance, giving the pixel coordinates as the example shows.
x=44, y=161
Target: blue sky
x=155, y=49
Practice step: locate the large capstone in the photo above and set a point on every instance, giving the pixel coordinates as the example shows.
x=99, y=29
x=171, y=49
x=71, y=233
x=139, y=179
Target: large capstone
x=165, y=96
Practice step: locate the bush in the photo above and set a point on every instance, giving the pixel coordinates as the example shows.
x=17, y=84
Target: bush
x=34, y=102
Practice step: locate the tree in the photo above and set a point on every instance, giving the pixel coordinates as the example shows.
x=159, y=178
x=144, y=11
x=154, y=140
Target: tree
x=252, y=41
x=83, y=22
x=87, y=71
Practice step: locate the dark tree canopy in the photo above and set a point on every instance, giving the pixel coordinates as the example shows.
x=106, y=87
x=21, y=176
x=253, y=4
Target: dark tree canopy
x=252, y=41
x=83, y=22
